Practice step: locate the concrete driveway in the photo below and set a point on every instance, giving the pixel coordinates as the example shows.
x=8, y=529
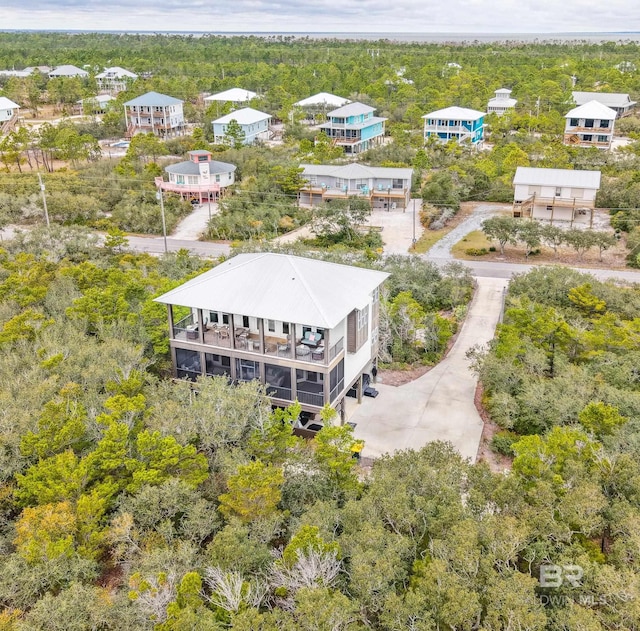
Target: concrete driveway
x=440, y=404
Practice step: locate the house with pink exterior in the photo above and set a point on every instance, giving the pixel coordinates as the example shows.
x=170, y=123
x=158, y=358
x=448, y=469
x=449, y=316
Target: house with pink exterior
x=199, y=178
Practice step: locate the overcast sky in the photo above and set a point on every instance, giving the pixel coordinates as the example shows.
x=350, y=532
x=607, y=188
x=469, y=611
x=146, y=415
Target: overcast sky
x=345, y=16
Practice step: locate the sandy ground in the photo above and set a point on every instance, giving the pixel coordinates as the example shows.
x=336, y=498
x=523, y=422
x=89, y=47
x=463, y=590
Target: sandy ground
x=193, y=225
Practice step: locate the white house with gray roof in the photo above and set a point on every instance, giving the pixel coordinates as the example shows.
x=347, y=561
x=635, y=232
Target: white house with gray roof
x=619, y=102
x=590, y=125
x=354, y=127
x=68, y=71
x=501, y=102
x=8, y=115
x=114, y=80
x=199, y=178
x=385, y=188
x=554, y=194
x=253, y=123
x=306, y=328
x=154, y=113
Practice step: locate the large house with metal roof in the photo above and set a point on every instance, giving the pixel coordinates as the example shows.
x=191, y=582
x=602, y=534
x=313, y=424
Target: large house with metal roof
x=236, y=96
x=199, y=178
x=554, y=194
x=621, y=103
x=307, y=329
x=459, y=124
x=253, y=123
x=68, y=71
x=154, y=113
x=590, y=125
x=114, y=80
x=354, y=127
x=385, y=188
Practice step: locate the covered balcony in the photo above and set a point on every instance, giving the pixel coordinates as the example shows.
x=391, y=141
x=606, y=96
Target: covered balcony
x=257, y=336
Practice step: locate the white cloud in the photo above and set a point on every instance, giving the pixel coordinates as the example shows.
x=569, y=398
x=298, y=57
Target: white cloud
x=348, y=16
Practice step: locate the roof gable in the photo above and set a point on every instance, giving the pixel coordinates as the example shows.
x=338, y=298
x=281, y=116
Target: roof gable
x=154, y=99
x=456, y=113
x=592, y=109
x=557, y=177
x=245, y=116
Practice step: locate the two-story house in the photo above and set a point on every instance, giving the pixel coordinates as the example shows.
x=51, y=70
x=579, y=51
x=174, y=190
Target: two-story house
x=114, y=80
x=459, y=124
x=154, y=113
x=8, y=115
x=199, y=178
x=94, y=104
x=354, y=127
x=253, y=124
x=554, y=194
x=305, y=328
x=385, y=188
x=589, y=125
x=501, y=102
x=621, y=103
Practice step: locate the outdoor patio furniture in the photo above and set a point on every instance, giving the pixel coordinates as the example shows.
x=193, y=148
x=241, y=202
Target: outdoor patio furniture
x=302, y=350
x=317, y=354
x=192, y=332
x=284, y=348
x=311, y=338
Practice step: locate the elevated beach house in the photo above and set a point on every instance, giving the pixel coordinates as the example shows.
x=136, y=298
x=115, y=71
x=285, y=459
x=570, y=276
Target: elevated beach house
x=589, y=125
x=305, y=328
x=459, y=124
x=554, y=194
x=253, y=123
x=8, y=115
x=68, y=71
x=114, y=80
x=199, y=178
x=383, y=187
x=619, y=102
x=154, y=113
x=354, y=127
x=501, y=102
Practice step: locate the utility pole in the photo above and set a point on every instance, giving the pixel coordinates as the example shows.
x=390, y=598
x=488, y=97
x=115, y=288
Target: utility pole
x=44, y=201
x=414, y=222
x=160, y=197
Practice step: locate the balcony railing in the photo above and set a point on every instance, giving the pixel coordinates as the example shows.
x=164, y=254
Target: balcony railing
x=336, y=348
x=277, y=392
x=310, y=398
x=184, y=326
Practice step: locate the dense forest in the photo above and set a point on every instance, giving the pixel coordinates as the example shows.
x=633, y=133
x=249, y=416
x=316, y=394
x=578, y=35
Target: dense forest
x=130, y=501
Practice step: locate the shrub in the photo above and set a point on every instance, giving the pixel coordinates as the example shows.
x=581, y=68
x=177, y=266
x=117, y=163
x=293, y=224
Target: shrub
x=476, y=251
x=502, y=442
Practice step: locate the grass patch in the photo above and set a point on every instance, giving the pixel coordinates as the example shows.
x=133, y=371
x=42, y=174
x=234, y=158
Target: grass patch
x=475, y=240
x=428, y=239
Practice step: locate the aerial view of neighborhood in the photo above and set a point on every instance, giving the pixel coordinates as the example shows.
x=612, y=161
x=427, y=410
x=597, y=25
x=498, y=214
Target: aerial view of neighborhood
x=318, y=332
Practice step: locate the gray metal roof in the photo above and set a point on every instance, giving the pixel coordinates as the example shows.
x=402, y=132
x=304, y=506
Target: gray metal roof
x=456, y=113
x=592, y=109
x=557, y=177
x=352, y=109
x=280, y=287
x=189, y=167
x=610, y=99
x=355, y=171
x=68, y=70
x=153, y=99
x=245, y=116
x=116, y=72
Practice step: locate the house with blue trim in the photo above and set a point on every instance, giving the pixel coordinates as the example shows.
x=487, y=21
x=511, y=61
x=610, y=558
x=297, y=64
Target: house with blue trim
x=254, y=124
x=455, y=123
x=354, y=127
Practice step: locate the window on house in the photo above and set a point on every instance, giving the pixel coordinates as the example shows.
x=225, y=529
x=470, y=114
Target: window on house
x=604, y=124
x=558, y=191
x=225, y=318
x=398, y=183
x=203, y=158
x=573, y=122
x=245, y=322
x=271, y=325
x=603, y=139
x=549, y=208
x=213, y=317
x=285, y=328
x=589, y=122
x=587, y=137
x=217, y=178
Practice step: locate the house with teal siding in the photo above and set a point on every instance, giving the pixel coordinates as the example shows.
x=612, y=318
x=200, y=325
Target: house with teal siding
x=354, y=127
x=460, y=124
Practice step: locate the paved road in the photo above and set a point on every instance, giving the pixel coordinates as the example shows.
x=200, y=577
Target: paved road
x=440, y=404
x=155, y=245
